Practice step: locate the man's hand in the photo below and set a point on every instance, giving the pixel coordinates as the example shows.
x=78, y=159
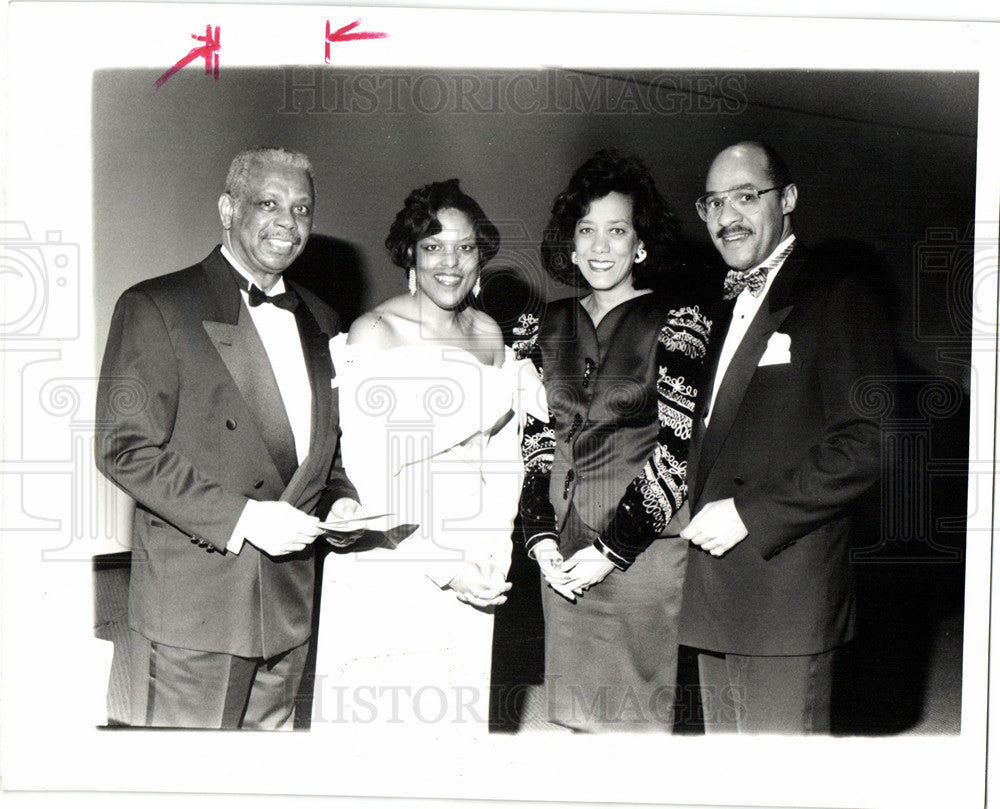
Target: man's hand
x=716, y=528
x=278, y=528
x=340, y=528
x=342, y=516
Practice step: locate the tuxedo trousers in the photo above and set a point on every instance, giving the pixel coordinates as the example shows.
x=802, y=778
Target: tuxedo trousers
x=766, y=694
x=187, y=688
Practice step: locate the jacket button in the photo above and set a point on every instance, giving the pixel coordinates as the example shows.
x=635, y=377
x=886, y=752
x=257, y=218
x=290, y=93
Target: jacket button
x=258, y=484
x=230, y=424
x=738, y=481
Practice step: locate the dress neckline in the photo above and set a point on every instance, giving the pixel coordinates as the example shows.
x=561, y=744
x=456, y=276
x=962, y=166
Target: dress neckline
x=579, y=303
x=422, y=347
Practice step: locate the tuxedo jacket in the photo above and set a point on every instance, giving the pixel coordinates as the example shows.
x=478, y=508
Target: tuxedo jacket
x=790, y=440
x=191, y=424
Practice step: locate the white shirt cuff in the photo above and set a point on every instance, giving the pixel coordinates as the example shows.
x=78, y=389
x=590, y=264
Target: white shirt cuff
x=235, y=544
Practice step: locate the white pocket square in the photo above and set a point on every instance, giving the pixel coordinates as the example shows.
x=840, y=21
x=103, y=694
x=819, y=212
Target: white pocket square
x=778, y=351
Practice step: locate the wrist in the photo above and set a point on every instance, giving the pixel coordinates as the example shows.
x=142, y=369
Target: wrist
x=545, y=539
x=619, y=561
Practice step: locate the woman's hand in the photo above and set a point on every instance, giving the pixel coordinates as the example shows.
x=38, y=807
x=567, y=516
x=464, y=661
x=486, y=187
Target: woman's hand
x=551, y=564
x=479, y=588
x=550, y=560
x=585, y=568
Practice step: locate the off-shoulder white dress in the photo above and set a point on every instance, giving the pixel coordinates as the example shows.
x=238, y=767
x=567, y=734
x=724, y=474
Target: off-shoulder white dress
x=431, y=436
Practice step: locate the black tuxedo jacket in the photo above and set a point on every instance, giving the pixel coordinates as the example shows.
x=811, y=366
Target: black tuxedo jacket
x=792, y=443
x=191, y=424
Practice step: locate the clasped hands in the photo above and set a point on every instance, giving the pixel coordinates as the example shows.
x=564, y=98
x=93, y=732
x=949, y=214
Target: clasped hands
x=479, y=586
x=571, y=577
x=278, y=528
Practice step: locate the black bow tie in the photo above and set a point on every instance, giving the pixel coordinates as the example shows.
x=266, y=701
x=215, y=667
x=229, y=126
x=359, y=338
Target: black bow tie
x=286, y=300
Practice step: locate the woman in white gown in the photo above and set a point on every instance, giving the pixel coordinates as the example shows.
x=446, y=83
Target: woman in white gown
x=431, y=409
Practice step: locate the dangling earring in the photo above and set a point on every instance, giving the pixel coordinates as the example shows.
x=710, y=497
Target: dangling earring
x=476, y=288
x=412, y=281
x=572, y=256
x=640, y=255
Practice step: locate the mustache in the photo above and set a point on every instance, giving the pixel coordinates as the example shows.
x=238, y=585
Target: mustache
x=288, y=235
x=733, y=230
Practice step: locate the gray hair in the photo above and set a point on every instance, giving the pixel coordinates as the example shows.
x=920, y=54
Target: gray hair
x=242, y=165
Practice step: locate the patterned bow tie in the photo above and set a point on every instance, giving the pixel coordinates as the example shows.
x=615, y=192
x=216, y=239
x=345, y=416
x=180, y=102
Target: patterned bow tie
x=738, y=280
x=286, y=300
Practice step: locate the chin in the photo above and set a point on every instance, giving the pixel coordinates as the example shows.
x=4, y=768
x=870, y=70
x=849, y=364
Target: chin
x=737, y=260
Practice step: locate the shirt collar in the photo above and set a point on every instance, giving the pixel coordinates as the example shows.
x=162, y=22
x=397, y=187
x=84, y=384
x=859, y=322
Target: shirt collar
x=278, y=287
x=785, y=244
x=782, y=245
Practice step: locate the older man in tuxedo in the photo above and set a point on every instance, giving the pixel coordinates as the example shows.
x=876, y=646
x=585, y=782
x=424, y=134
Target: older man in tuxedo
x=215, y=413
x=779, y=453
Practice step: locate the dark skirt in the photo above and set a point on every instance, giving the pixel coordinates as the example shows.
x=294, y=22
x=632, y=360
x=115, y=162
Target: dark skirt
x=611, y=658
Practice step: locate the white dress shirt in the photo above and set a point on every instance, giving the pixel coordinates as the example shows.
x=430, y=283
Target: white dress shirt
x=280, y=335
x=743, y=314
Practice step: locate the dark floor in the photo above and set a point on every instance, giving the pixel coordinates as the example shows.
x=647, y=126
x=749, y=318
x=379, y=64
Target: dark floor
x=901, y=675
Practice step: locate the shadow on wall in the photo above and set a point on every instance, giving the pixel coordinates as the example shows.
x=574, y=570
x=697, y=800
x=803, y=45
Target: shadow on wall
x=335, y=270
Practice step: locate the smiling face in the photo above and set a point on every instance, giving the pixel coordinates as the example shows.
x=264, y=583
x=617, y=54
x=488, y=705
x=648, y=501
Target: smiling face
x=745, y=240
x=447, y=263
x=605, y=243
x=268, y=222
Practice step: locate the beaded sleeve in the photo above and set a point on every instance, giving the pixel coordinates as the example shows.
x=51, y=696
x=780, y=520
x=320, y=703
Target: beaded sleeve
x=538, y=518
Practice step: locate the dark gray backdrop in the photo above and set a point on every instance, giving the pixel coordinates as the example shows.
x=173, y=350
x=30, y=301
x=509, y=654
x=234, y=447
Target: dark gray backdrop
x=884, y=159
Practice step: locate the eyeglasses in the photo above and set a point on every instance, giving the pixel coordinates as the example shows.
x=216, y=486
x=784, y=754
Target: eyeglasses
x=745, y=199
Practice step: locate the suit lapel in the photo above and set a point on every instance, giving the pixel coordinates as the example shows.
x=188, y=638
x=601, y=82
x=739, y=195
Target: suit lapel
x=316, y=351
x=240, y=348
x=772, y=313
x=722, y=316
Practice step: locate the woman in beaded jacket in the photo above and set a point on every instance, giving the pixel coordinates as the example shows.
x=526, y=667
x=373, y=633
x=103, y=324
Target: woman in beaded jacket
x=605, y=477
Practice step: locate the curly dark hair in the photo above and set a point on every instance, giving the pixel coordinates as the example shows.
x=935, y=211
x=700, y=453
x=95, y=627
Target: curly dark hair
x=652, y=218
x=418, y=219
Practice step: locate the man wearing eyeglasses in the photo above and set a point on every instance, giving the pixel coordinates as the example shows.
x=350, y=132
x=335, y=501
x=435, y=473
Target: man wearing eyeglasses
x=779, y=453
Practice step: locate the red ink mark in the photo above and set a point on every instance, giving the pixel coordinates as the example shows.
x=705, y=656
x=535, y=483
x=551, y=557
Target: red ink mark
x=344, y=35
x=209, y=51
